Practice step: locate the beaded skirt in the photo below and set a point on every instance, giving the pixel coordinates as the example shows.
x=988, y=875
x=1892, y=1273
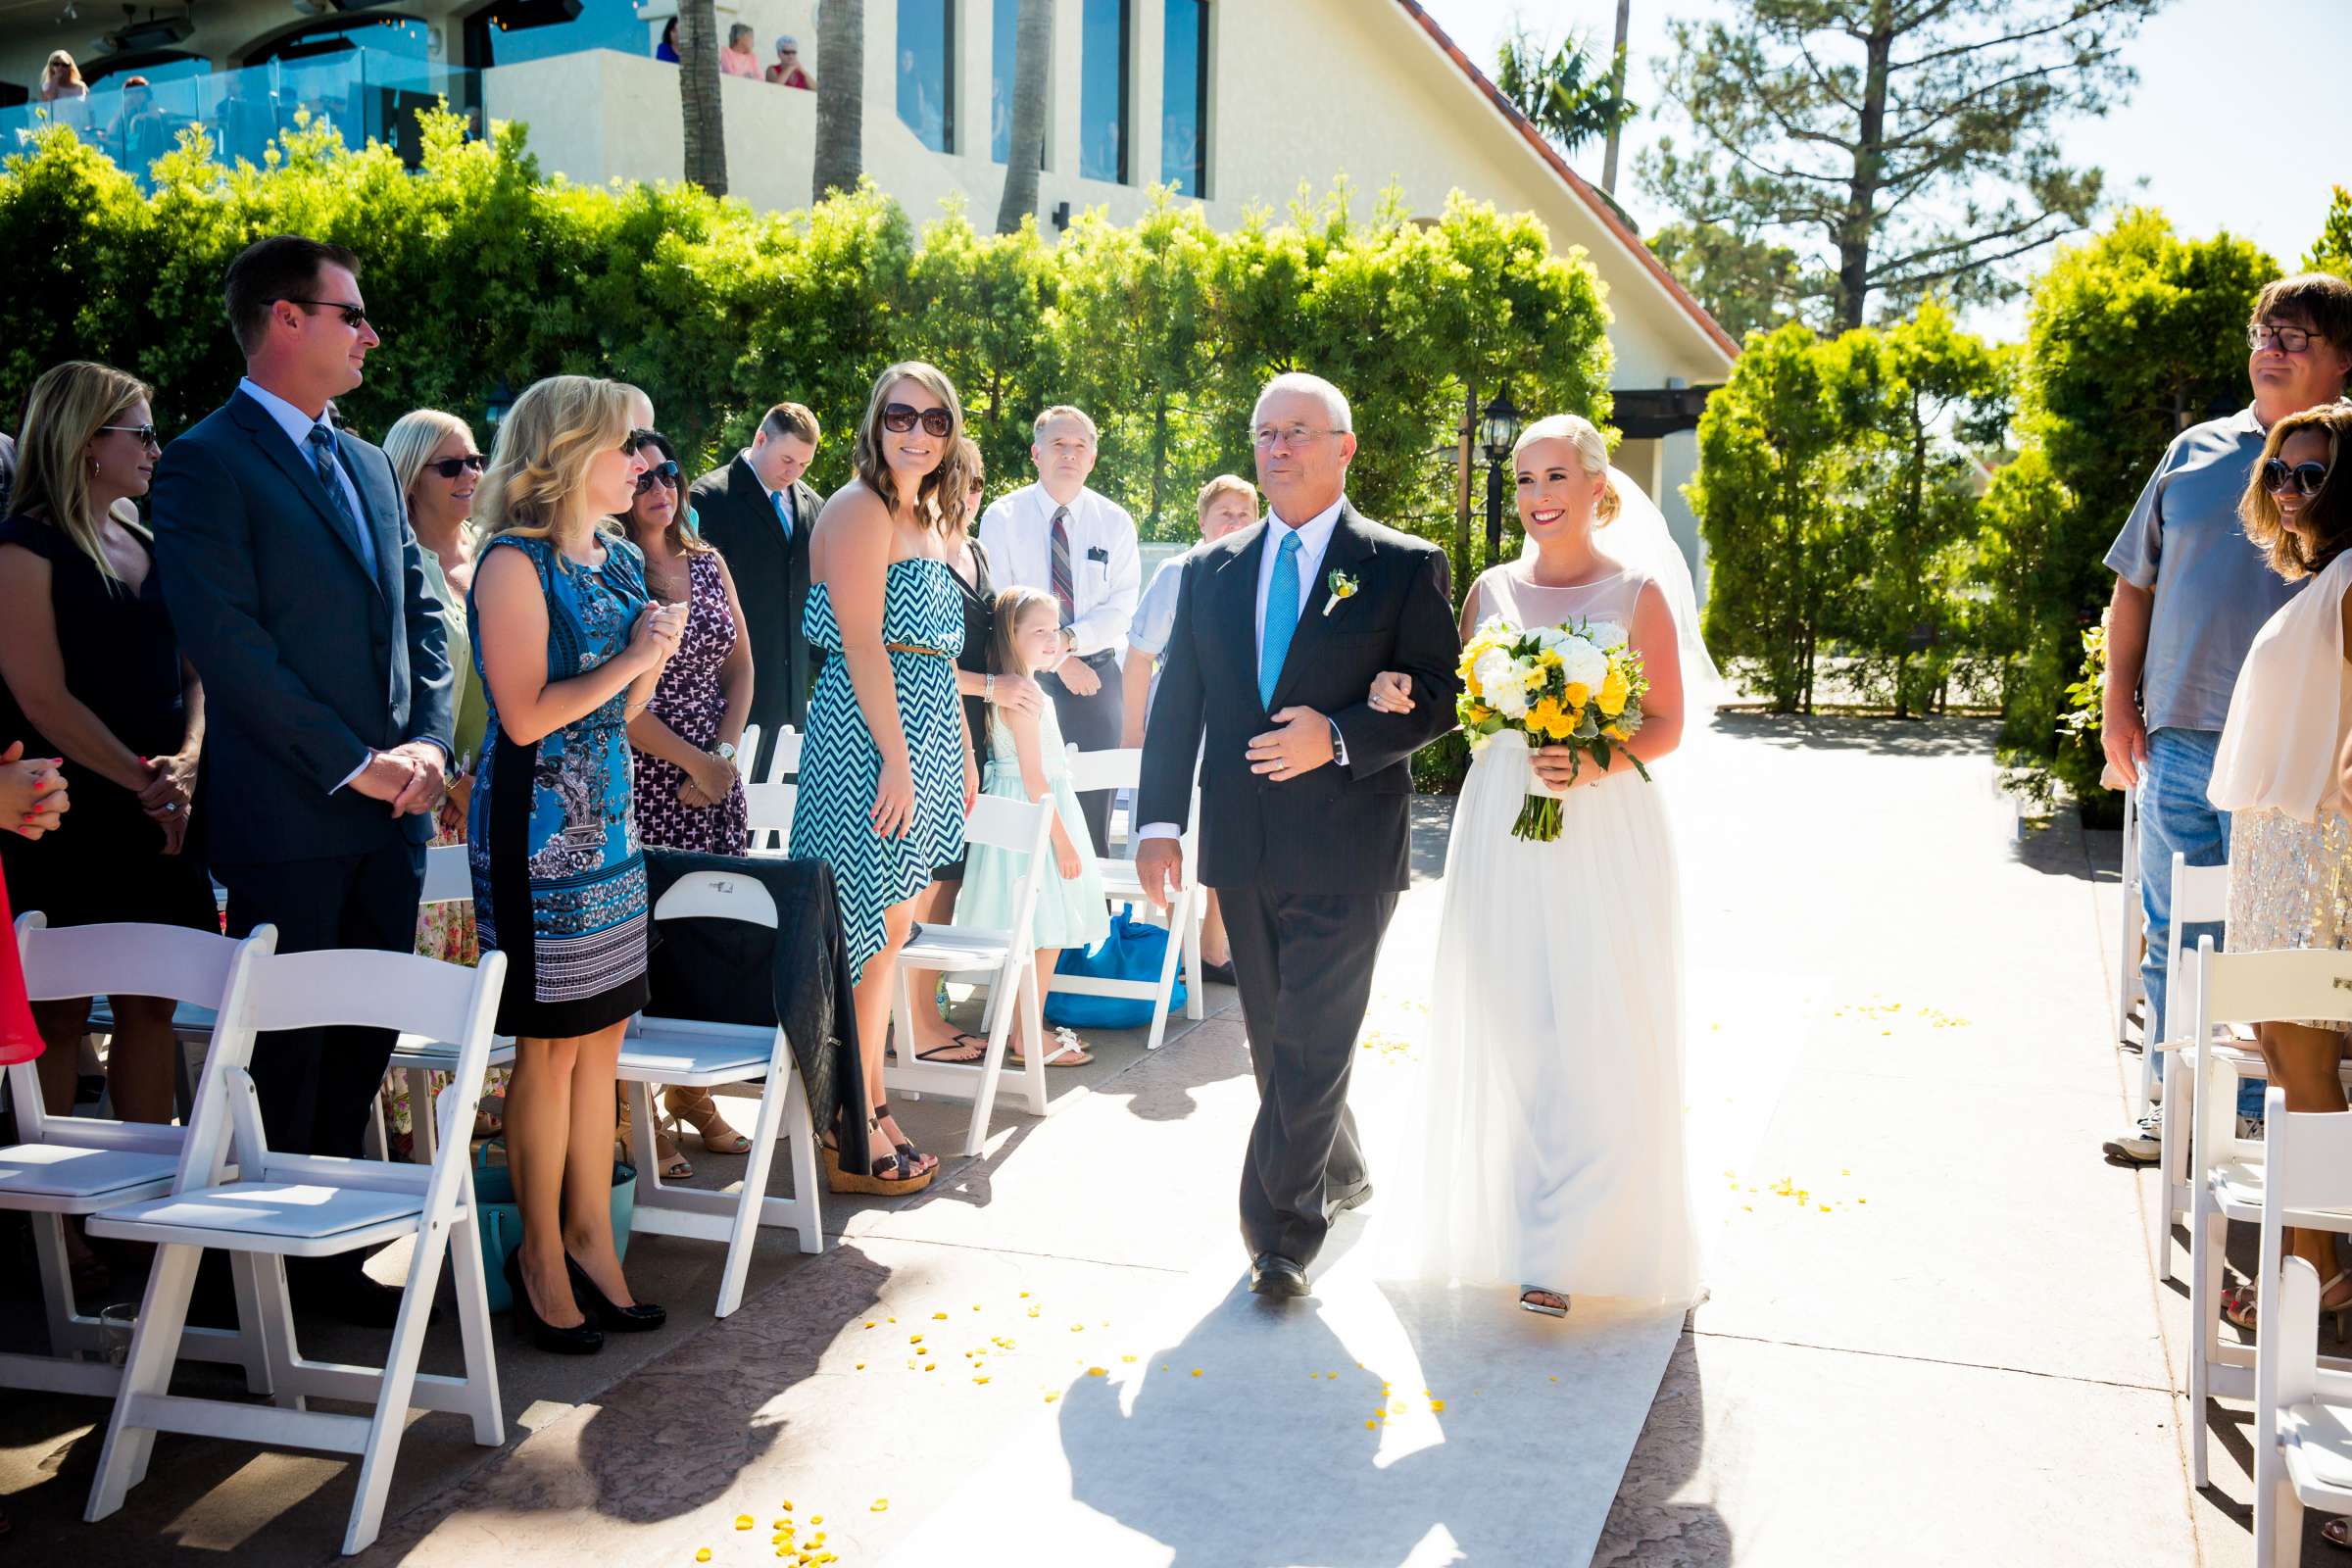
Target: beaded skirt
x=2290, y=885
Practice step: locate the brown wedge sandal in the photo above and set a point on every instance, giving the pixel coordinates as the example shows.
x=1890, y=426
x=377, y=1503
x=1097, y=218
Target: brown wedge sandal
x=894, y=1175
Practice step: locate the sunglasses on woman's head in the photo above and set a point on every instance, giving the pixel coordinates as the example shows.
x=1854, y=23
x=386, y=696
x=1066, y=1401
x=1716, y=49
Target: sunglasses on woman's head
x=901, y=418
x=664, y=475
x=2305, y=477
x=451, y=467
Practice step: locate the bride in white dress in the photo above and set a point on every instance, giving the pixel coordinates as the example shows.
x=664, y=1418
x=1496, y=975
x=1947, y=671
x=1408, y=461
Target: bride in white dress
x=1547, y=1154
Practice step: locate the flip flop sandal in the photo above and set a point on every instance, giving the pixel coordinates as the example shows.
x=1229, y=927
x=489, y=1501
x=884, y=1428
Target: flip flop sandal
x=1556, y=1307
x=940, y=1054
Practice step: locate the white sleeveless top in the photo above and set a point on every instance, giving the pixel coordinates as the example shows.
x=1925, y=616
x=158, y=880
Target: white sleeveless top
x=1504, y=591
x=2291, y=709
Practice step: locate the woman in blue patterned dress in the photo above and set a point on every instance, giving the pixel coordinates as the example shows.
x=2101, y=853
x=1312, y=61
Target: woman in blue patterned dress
x=887, y=772
x=569, y=650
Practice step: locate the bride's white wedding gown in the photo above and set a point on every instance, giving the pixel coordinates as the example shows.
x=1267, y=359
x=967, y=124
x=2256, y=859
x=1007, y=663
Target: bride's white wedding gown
x=1548, y=1146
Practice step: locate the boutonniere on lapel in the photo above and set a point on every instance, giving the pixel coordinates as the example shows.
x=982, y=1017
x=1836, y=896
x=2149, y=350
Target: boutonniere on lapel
x=1342, y=589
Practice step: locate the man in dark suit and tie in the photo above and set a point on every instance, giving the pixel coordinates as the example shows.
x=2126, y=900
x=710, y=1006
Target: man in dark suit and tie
x=297, y=591
x=759, y=513
x=1304, y=792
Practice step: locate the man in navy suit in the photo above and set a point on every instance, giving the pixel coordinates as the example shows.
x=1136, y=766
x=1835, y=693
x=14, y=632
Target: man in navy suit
x=297, y=589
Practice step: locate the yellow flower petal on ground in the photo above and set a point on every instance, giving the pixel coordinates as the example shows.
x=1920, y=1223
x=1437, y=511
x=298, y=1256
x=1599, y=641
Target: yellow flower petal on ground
x=816, y=1518
x=979, y=1380
x=930, y=1366
x=1051, y=1397
x=1196, y=1371
x=1098, y=1371
x=1129, y=1358
x=1437, y=1405
x=704, y=1555
x=938, y=1317
x=1369, y=1425
x=861, y=1366
x=743, y=1521
x=880, y=1505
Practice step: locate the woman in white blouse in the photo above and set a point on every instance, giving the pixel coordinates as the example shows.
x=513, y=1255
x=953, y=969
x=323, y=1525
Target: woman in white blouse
x=2280, y=772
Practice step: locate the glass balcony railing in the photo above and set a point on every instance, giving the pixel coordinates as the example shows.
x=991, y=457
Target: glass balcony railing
x=362, y=95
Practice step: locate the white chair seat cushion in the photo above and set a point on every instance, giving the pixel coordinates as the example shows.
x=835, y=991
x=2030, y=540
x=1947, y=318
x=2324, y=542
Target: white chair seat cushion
x=954, y=946
x=690, y=1056
x=283, y=1211
x=49, y=1171
x=2320, y=1439
x=439, y=1056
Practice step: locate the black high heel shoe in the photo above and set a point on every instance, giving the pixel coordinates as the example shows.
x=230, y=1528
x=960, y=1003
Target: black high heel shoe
x=637, y=1318
x=582, y=1339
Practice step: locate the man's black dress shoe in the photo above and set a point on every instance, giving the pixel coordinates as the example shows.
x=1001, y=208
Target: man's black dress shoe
x=638, y=1317
x=1355, y=1196
x=1272, y=1274
x=1221, y=973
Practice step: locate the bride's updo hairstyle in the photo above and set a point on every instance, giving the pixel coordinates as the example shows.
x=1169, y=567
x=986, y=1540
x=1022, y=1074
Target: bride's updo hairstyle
x=1592, y=450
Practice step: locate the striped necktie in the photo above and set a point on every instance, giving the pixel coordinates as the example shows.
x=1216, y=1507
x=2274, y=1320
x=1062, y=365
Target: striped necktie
x=1064, y=585
x=322, y=458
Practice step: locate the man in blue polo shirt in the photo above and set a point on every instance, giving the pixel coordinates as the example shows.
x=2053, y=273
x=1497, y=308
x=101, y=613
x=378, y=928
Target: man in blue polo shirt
x=2190, y=592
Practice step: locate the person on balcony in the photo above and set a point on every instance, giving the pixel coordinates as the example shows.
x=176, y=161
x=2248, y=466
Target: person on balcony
x=666, y=50
x=788, y=72
x=737, y=59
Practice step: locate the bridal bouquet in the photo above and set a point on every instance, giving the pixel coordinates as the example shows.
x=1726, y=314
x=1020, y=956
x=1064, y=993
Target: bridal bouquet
x=1578, y=685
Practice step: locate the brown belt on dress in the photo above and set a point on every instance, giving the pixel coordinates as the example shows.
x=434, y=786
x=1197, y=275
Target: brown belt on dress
x=918, y=648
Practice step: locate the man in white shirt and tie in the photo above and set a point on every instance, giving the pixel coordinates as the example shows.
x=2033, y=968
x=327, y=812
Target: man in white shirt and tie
x=1067, y=541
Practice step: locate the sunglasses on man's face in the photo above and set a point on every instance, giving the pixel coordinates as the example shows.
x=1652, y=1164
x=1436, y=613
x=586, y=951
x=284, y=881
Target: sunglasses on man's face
x=451, y=467
x=664, y=475
x=901, y=418
x=2305, y=478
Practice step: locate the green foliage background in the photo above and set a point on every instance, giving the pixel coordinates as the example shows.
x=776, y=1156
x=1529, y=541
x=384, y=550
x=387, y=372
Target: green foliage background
x=481, y=276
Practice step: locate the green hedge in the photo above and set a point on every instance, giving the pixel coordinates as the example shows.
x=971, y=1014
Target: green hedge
x=481, y=274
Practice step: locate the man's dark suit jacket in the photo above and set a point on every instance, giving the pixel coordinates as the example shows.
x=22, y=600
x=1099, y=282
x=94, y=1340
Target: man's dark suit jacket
x=1338, y=829
x=732, y=510
x=307, y=659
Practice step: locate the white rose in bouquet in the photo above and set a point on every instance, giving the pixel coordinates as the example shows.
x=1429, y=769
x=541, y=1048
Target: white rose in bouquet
x=1583, y=664
x=1606, y=634
x=1499, y=678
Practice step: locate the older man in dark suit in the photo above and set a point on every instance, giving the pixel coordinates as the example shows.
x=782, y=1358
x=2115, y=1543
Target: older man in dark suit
x=297, y=589
x=759, y=513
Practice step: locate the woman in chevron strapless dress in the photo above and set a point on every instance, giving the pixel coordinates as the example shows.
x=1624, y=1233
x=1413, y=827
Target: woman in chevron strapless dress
x=886, y=771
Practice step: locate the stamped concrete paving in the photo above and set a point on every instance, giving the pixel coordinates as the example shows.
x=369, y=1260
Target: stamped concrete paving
x=1947, y=1349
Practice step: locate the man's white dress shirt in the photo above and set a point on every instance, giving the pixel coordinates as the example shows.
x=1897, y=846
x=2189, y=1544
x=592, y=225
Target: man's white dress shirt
x=1106, y=573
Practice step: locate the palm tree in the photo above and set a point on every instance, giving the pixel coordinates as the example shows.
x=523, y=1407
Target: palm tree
x=697, y=96
x=840, y=95
x=1608, y=161
x=1033, y=48
x=1561, y=91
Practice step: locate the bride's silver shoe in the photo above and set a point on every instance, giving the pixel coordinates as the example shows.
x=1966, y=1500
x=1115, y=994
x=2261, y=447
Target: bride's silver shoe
x=1528, y=1303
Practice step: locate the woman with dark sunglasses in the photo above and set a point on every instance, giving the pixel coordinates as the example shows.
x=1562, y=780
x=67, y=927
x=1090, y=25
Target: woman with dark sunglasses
x=2280, y=773
x=689, y=795
x=438, y=469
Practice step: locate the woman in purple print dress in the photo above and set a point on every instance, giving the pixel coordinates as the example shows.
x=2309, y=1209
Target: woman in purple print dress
x=689, y=796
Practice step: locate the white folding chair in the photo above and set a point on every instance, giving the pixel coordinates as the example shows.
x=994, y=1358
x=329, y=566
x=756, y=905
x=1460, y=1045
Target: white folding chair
x=769, y=816
x=2302, y=1437
x=1123, y=769
x=448, y=879
x=2229, y=1172
x=2130, y=990
x=745, y=750
x=716, y=1056
x=78, y=1165
x=785, y=762
x=1005, y=960
x=280, y=1205
x=2200, y=894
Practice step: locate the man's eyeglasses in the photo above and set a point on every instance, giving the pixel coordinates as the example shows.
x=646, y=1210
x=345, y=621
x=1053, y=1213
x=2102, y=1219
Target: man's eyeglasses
x=354, y=317
x=2306, y=478
x=2285, y=339
x=901, y=418
x=145, y=432
x=664, y=475
x=1289, y=435
x=451, y=467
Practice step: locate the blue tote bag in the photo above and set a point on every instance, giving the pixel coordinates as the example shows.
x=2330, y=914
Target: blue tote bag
x=1134, y=951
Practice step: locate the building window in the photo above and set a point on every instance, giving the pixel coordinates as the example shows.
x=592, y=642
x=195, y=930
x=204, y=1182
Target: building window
x=1103, y=51
x=926, y=72
x=1183, y=98
x=509, y=32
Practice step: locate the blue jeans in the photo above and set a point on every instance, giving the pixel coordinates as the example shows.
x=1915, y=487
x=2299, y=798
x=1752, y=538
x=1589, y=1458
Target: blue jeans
x=2175, y=818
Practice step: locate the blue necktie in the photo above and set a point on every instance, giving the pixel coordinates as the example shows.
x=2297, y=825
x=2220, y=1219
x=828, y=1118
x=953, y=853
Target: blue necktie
x=1282, y=618
x=322, y=458
x=783, y=512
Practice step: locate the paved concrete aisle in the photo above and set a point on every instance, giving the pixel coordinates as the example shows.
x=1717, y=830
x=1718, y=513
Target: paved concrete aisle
x=1933, y=1336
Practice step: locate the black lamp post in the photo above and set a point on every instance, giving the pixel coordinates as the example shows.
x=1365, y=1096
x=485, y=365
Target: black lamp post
x=1498, y=433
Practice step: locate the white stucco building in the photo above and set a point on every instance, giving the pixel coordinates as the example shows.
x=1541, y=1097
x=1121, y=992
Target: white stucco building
x=1238, y=103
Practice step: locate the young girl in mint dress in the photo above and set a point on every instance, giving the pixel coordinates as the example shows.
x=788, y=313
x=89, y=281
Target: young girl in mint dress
x=1028, y=762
